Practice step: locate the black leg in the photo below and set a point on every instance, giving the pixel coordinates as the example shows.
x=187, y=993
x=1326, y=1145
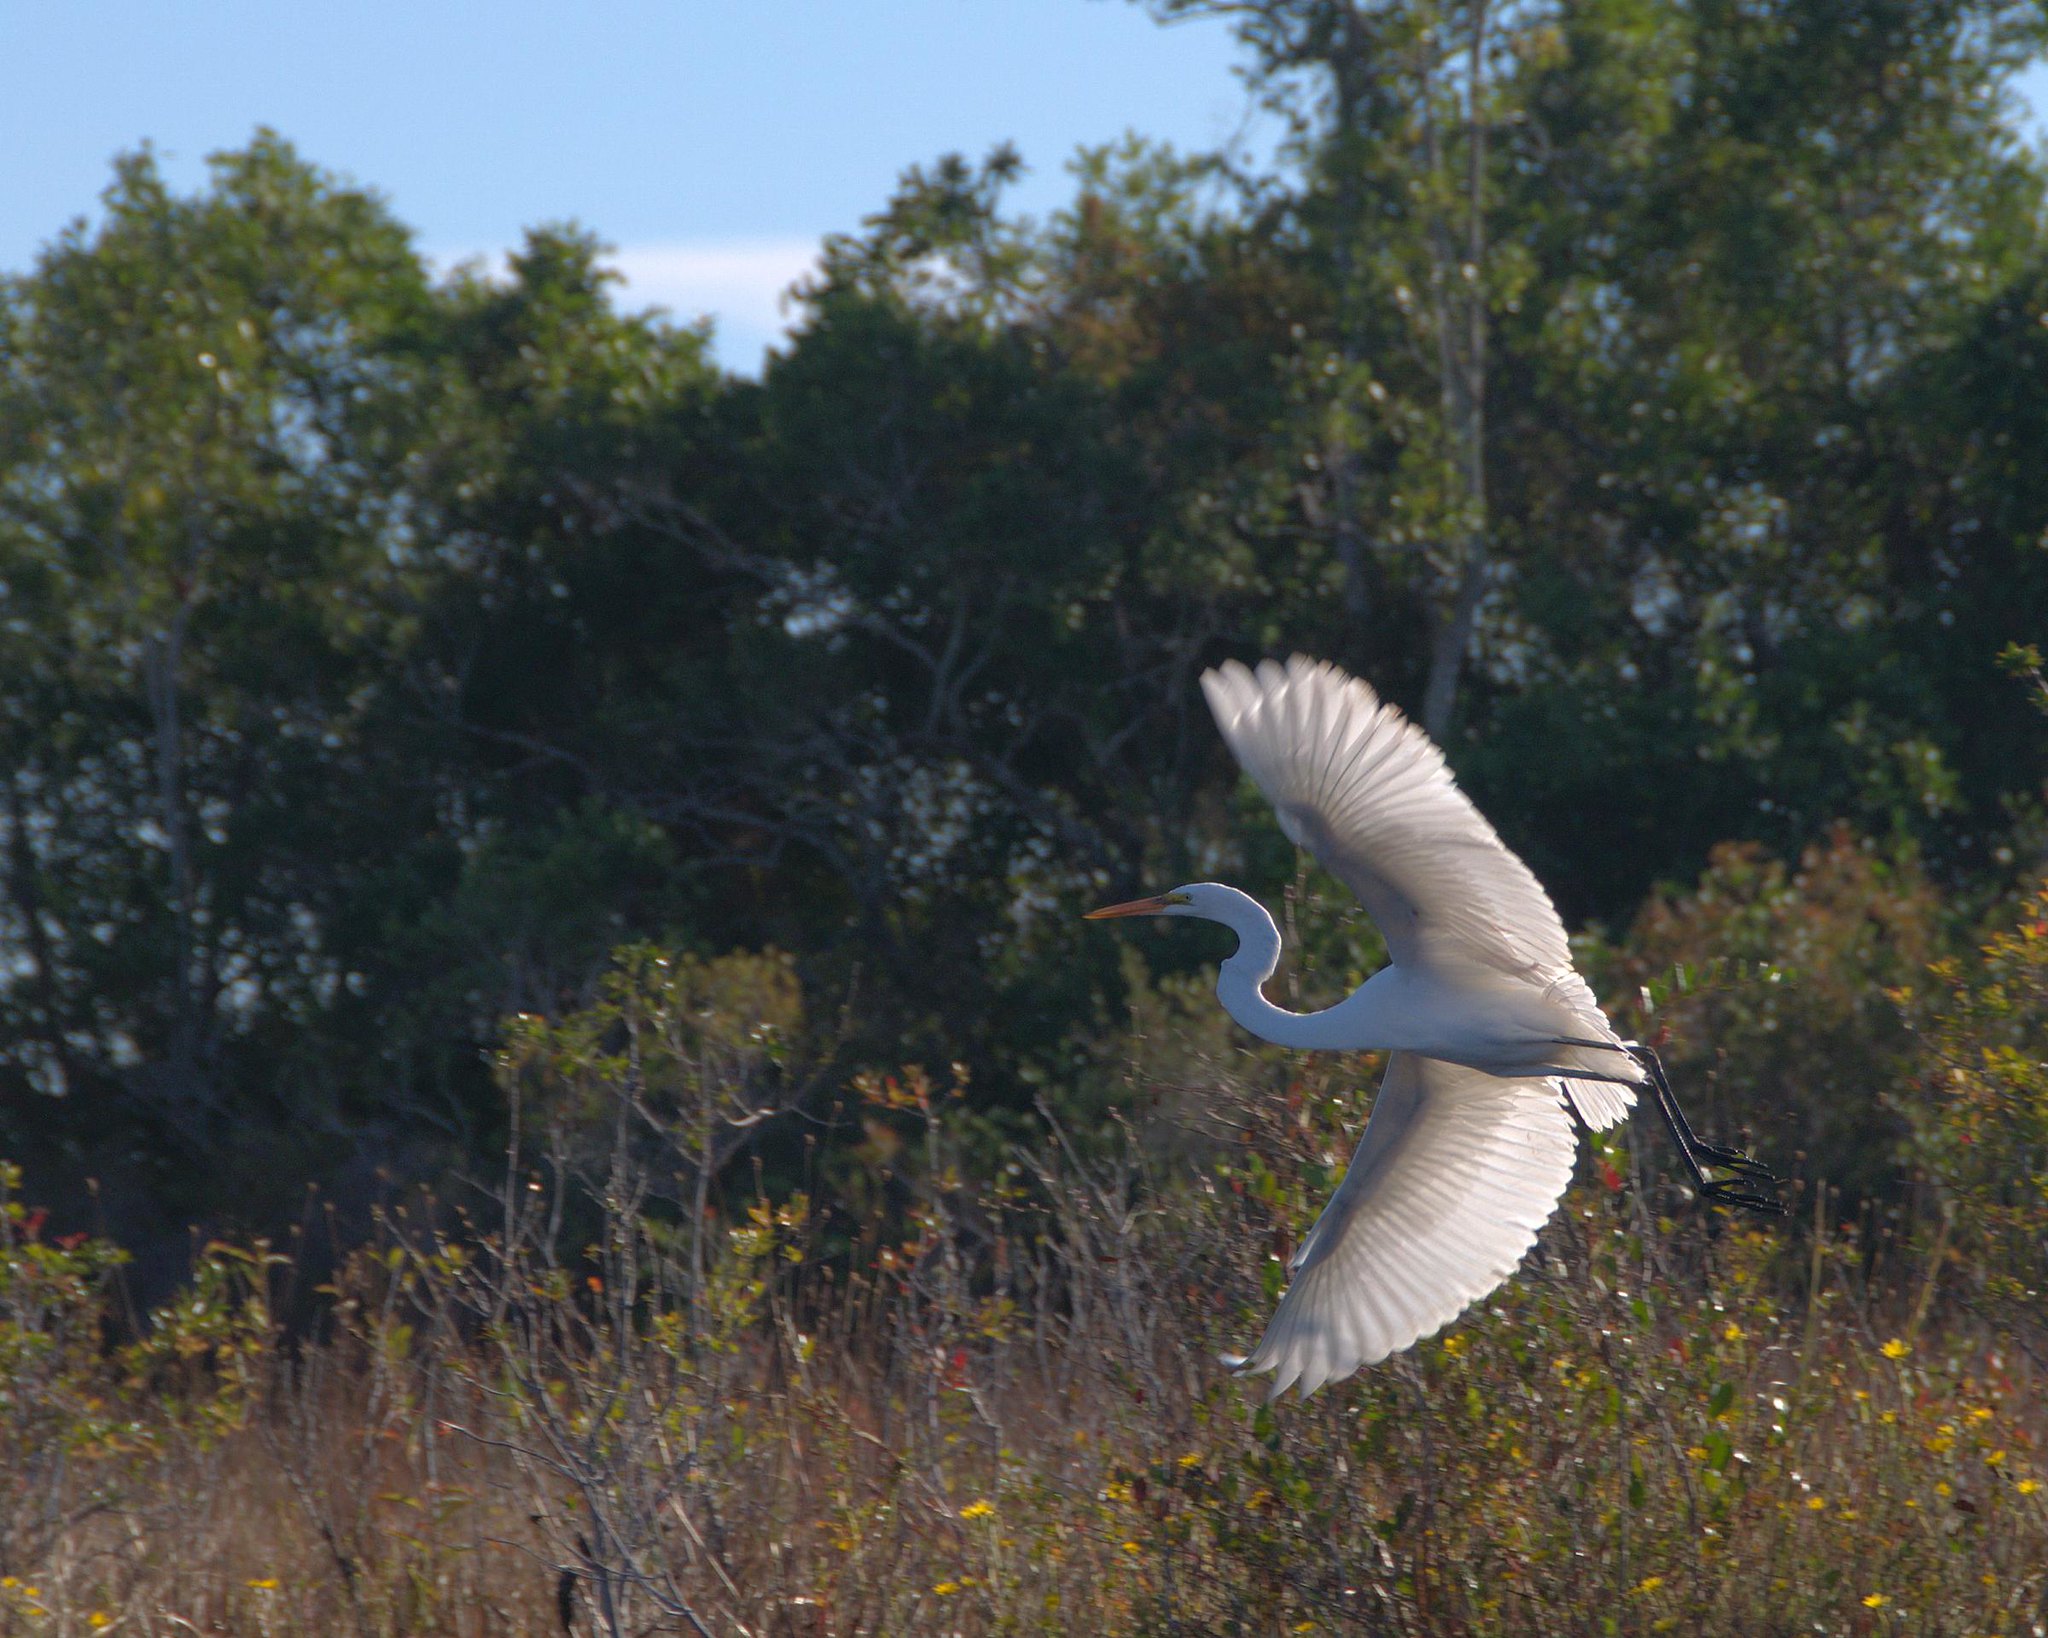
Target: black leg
x=1697, y=1154
x=1712, y=1153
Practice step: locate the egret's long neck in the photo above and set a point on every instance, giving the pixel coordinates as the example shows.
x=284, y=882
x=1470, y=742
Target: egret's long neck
x=1239, y=979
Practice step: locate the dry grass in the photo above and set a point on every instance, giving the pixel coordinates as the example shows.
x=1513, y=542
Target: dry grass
x=996, y=1406
x=1644, y=1433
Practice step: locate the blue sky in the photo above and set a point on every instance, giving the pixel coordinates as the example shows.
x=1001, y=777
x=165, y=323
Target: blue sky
x=713, y=141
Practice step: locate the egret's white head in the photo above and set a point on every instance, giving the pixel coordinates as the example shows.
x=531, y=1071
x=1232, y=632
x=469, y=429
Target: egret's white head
x=1258, y=943
x=1211, y=901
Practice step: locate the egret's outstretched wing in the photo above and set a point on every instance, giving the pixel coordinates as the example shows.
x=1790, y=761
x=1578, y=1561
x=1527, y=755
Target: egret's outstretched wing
x=1455, y=1174
x=1367, y=793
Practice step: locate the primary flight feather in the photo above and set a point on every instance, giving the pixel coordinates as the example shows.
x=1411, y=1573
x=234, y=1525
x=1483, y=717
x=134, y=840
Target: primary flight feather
x=1491, y=1028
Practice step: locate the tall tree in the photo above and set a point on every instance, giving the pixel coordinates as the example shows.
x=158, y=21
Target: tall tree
x=201, y=530
x=1703, y=227
x=1392, y=108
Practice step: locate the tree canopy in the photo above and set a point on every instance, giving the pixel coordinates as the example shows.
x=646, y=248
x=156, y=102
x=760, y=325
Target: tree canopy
x=1654, y=396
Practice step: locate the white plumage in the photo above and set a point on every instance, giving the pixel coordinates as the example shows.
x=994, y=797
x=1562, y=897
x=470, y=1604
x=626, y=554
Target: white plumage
x=1491, y=1028
x=1368, y=794
x=1455, y=1174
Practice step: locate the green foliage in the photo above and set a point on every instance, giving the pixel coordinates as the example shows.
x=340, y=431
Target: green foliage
x=1981, y=1116
x=380, y=652
x=1651, y=393
x=1774, y=995
x=200, y=532
x=85, y=1419
x=52, y=1375
x=1000, y=1406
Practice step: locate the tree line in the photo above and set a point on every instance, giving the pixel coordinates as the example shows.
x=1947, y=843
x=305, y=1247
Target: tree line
x=1649, y=395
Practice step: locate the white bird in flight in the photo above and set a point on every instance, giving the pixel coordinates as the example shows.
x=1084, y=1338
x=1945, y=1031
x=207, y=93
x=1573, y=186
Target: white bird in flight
x=1491, y=1029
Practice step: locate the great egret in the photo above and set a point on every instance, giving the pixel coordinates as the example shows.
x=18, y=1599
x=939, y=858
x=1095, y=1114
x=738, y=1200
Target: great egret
x=1491, y=1029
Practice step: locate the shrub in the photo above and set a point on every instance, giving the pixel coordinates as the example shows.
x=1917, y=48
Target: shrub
x=1000, y=1409
x=1774, y=995
x=1981, y=1120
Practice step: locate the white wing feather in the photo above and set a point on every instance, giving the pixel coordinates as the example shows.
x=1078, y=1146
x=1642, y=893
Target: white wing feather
x=1455, y=1174
x=1368, y=794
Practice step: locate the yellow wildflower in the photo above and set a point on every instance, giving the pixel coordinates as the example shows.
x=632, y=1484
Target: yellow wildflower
x=1131, y=1547
x=1816, y=1503
x=1983, y=1413
x=1894, y=1349
x=976, y=1510
x=2027, y=1487
x=98, y=1619
x=945, y=1589
x=266, y=1584
x=1733, y=1333
x=1454, y=1346
x=1192, y=1459
x=1876, y=1601
x=1649, y=1583
x=1995, y=1459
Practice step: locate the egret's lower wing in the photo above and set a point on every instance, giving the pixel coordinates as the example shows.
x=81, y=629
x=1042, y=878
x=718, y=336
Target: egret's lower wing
x=1455, y=1174
x=1600, y=1104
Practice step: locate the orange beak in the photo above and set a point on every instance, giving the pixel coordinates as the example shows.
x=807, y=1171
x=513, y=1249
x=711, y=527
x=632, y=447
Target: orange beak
x=1154, y=906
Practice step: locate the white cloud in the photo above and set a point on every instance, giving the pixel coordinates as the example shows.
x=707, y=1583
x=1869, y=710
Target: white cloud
x=2031, y=88
x=742, y=284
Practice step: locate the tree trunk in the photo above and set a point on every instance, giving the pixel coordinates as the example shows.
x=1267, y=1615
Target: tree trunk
x=1350, y=64
x=26, y=892
x=1462, y=361
x=162, y=655
x=1453, y=637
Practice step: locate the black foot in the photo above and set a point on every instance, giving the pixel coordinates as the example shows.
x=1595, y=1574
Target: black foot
x=1727, y=1194
x=1736, y=1161
x=1698, y=1155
